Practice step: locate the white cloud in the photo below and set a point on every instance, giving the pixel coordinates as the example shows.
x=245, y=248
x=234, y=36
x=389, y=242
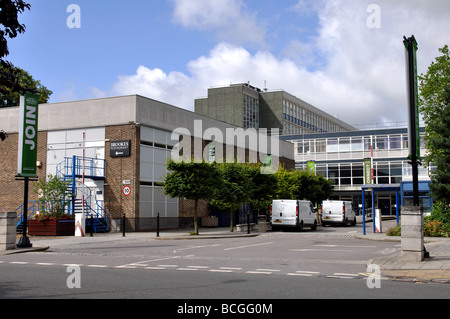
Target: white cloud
x=362, y=79
x=228, y=19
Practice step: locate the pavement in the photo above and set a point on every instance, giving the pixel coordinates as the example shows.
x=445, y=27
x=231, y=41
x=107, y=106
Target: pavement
x=436, y=268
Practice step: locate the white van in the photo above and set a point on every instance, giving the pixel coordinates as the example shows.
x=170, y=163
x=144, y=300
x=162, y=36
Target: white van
x=292, y=214
x=338, y=212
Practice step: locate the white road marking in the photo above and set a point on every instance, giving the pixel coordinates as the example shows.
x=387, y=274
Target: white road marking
x=247, y=246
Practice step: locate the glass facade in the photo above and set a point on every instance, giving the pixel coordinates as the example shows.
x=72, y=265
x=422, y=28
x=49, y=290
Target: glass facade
x=299, y=120
x=339, y=157
x=156, y=147
x=251, y=112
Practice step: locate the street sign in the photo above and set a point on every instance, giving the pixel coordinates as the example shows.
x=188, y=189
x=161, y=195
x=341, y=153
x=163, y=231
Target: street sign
x=28, y=133
x=120, y=148
x=126, y=190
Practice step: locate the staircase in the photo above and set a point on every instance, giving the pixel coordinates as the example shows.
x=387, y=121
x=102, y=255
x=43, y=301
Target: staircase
x=97, y=218
x=72, y=171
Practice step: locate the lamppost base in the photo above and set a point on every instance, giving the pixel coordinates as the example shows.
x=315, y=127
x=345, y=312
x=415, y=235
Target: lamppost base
x=24, y=242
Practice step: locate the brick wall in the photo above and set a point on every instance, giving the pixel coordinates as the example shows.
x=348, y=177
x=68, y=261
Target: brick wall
x=11, y=191
x=119, y=169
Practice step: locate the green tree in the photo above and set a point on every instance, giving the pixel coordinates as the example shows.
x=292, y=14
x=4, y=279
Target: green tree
x=435, y=106
x=236, y=187
x=192, y=180
x=15, y=82
x=264, y=188
x=287, y=184
x=53, y=196
x=9, y=22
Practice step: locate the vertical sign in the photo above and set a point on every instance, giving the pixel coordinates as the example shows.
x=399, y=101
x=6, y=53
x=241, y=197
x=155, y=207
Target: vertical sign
x=311, y=167
x=28, y=131
x=368, y=171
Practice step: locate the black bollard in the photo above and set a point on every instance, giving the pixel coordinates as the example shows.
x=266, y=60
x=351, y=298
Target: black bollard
x=248, y=223
x=157, y=225
x=123, y=225
x=92, y=225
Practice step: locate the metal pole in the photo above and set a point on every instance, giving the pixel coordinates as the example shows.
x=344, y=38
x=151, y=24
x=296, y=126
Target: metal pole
x=157, y=225
x=24, y=241
x=248, y=223
x=123, y=225
x=92, y=225
x=364, y=211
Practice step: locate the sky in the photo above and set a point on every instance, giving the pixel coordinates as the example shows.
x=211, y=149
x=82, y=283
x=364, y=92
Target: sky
x=345, y=57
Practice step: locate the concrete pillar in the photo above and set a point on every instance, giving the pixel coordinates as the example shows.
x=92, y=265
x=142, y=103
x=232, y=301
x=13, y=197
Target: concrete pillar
x=8, y=231
x=412, y=233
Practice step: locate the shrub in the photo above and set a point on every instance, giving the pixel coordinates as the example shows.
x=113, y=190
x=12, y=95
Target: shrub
x=394, y=231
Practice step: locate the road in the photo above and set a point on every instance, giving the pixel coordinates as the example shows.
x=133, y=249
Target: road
x=330, y=263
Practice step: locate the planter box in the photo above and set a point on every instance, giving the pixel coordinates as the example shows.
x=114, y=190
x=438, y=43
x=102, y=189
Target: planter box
x=65, y=227
x=210, y=222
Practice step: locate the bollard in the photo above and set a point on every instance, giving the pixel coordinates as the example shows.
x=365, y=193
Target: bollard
x=248, y=223
x=123, y=225
x=157, y=225
x=92, y=225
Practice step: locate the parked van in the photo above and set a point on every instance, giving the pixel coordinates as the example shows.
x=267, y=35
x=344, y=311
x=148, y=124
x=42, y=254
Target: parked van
x=338, y=212
x=292, y=214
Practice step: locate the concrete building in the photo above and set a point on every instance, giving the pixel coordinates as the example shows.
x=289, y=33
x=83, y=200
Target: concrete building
x=127, y=141
x=340, y=157
x=246, y=106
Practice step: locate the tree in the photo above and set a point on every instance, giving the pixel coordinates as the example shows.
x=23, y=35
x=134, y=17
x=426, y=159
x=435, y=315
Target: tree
x=435, y=106
x=191, y=180
x=16, y=82
x=235, y=187
x=9, y=22
x=264, y=187
x=440, y=186
x=13, y=80
x=53, y=197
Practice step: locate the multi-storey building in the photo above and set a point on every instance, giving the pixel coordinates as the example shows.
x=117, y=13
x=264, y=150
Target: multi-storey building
x=246, y=106
x=341, y=157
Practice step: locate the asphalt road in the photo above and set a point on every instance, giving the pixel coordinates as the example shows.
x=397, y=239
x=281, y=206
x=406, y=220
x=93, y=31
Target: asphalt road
x=330, y=263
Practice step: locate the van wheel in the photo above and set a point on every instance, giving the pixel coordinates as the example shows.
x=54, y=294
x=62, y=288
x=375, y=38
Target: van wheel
x=300, y=226
x=315, y=226
x=354, y=222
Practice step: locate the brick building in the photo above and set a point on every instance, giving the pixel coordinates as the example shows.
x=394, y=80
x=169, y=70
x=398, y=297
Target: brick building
x=126, y=142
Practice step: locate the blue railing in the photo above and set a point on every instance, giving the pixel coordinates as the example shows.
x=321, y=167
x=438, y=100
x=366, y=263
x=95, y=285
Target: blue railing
x=93, y=167
x=33, y=207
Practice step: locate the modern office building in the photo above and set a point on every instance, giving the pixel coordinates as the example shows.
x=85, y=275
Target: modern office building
x=246, y=106
x=126, y=142
x=342, y=158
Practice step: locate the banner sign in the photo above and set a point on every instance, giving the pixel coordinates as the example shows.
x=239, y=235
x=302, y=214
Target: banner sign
x=311, y=167
x=367, y=171
x=28, y=132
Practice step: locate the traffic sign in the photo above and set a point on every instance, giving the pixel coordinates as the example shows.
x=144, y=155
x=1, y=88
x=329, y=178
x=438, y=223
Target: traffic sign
x=126, y=190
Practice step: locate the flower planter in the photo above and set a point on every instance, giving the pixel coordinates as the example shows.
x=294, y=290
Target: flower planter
x=210, y=222
x=63, y=227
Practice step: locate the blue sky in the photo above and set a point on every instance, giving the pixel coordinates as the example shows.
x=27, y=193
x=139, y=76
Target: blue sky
x=322, y=51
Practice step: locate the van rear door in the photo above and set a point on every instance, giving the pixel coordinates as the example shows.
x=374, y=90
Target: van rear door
x=284, y=213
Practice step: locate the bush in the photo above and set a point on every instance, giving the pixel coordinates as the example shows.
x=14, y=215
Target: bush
x=438, y=223
x=394, y=231
x=434, y=228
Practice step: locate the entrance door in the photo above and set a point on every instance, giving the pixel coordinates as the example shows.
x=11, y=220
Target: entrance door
x=384, y=204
